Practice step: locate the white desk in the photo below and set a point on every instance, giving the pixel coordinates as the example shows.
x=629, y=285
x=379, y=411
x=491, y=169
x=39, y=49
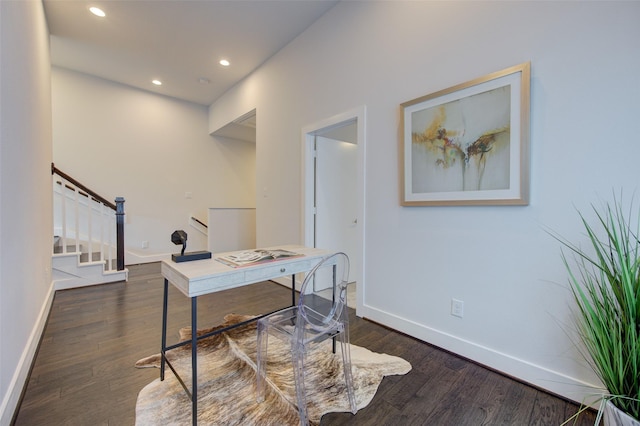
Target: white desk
x=200, y=277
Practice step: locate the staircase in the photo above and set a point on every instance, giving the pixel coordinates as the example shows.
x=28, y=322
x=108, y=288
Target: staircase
x=88, y=246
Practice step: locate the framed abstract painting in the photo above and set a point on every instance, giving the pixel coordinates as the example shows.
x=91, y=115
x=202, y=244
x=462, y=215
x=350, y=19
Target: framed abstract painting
x=468, y=144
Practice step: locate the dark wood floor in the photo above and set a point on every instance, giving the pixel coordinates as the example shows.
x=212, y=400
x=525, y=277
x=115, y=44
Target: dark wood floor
x=84, y=371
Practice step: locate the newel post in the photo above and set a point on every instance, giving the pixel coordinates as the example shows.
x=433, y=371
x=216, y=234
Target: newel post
x=120, y=233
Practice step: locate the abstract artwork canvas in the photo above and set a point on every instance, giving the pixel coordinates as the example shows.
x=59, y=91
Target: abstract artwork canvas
x=468, y=144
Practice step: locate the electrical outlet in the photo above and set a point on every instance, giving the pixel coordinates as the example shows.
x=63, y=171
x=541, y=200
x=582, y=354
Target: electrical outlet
x=145, y=244
x=457, y=308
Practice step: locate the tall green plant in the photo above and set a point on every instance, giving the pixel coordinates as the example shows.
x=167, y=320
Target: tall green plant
x=605, y=282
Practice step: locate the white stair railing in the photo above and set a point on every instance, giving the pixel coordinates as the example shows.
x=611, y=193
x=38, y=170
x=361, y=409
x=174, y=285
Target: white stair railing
x=86, y=224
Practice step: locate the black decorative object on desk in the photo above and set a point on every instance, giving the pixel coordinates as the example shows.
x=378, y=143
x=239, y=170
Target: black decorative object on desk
x=180, y=237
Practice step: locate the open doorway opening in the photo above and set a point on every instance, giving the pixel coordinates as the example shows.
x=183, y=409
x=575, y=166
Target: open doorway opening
x=334, y=191
x=233, y=226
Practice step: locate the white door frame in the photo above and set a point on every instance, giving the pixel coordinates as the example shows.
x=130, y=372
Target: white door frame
x=308, y=187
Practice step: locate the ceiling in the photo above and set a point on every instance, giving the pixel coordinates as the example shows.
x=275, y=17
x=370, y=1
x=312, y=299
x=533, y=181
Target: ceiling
x=179, y=42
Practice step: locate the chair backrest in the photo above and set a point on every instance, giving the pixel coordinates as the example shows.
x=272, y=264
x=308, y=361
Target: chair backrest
x=323, y=295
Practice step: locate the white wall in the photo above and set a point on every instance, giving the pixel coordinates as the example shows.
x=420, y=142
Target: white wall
x=151, y=150
x=231, y=229
x=26, y=235
x=585, y=59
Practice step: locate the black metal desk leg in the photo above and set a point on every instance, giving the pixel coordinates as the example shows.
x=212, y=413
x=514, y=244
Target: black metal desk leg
x=164, y=328
x=293, y=290
x=194, y=360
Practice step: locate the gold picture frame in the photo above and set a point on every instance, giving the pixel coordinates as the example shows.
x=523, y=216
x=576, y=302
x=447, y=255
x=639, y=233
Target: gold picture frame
x=468, y=144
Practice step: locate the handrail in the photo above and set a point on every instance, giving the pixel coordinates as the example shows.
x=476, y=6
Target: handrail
x=93, y=194
x=195, y=219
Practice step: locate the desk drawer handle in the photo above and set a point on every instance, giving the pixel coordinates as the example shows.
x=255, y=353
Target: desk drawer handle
x=282, y=269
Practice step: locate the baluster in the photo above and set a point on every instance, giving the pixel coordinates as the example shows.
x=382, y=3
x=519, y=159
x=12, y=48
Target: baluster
x=110, y=227
x=101, y=223
x=77, y=217
x=63, y=202
x=89, y=229
x=54, y=211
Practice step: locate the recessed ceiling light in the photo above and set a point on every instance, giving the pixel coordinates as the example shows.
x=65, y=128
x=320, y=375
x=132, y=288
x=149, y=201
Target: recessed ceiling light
x=157, y=82
x=225, y=63
x=97, y=11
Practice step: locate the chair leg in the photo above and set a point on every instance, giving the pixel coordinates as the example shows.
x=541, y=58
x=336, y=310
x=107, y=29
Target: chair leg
x=261, y=361
x=301, y=393
x=346, y=363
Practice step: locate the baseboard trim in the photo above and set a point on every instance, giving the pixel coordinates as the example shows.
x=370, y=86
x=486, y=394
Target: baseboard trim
x=18, y=383
x=554, y=382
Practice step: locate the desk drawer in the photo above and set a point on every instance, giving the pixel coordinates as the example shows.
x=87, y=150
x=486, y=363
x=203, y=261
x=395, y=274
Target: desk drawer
x=222, y=282
x=280, y=269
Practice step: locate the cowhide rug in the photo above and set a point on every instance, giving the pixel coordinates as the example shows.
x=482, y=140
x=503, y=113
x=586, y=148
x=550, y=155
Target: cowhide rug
x=227, y=381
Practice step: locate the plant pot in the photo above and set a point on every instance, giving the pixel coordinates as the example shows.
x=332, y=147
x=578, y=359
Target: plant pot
x=613, y=416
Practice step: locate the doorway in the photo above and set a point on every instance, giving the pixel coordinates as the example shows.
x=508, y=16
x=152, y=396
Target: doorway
x=334, y=191
x=233, y=226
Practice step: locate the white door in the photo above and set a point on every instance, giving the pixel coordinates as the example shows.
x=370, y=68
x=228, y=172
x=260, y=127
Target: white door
x=334, y=190
x=336, y=219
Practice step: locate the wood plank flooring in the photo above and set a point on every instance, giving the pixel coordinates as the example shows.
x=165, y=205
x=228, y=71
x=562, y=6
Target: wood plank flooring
x=84, y=371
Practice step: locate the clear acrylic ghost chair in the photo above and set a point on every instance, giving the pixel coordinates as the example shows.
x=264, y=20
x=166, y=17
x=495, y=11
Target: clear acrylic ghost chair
x=312, y=321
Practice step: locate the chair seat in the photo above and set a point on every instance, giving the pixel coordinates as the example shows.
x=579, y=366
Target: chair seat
x=284, y=322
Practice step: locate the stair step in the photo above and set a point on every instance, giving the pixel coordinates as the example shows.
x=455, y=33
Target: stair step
x=70, y=272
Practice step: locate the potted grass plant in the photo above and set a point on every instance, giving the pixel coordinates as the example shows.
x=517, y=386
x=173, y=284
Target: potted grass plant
x=605, y=283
